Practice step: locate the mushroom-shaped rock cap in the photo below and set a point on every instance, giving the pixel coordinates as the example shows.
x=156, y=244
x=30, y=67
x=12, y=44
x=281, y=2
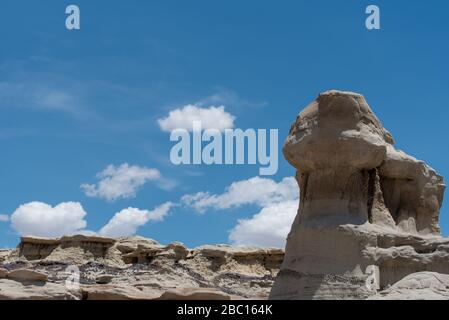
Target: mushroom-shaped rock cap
x=337, y=129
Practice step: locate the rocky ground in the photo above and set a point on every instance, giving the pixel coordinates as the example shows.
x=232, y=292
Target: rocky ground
x=134, y=268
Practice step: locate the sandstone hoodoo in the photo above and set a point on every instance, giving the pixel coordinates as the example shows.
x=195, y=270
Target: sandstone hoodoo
x=363, y=205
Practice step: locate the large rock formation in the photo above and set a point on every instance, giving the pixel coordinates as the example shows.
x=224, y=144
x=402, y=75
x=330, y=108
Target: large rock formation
x=363, y=205
x=135, y=268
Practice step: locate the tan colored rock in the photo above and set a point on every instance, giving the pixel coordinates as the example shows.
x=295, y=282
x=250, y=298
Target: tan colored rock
x=242, y=260
x=139, y=268
x=413, y=192
x=399, y=255
x=355, y=190
x=11, y=256
x=15, y=290
x=77, y=250
x=27, y=275
x=339, y=147
x=40, y=241
x=143, y=254
x=227, y=251
x=3, y=273
x=130, y=244
x=418, y=286
x=4, y=254
x=33, y=248
x=86, y=239
x=104, y=279
x=176, y=251
x=194, y=294
x=116, y=292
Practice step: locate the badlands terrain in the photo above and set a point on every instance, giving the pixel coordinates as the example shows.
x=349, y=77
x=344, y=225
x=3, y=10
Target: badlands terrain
x=367, y=228
x=142, y=269
x=134, y=268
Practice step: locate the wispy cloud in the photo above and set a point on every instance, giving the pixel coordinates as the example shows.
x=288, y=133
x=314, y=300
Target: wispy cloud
x=24, y=85
x=225, y=96
x=38, y=96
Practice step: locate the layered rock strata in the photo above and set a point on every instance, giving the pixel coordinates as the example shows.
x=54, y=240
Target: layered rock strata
x=363, y=205
x=134, y=268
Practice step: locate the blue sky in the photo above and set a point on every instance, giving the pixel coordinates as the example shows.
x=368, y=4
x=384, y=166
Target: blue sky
x=74, y=102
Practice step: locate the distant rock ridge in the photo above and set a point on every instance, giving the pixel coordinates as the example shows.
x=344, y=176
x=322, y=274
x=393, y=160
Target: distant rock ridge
x=135, y=268
x=362, y=204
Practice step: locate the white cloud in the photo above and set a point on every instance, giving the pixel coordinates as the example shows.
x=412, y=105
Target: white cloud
x=268, y=228
x=4, y=218
x=256, y=191
x=159, y=213
x=120, y=182
x=127, y=221
x=42, y=220
x=210, y=118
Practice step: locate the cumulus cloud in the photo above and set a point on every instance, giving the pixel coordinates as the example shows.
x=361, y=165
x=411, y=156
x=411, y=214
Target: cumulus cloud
x=210, y=118
x=120, y=181
x=254, y=191
x=269, y=227
x=4, y=218
x=127, y=221
x=42, y=220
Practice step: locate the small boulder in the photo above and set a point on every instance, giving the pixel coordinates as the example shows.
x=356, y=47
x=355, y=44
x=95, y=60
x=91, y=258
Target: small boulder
x=14, y=290
x=27, y=275
x=104, y=279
